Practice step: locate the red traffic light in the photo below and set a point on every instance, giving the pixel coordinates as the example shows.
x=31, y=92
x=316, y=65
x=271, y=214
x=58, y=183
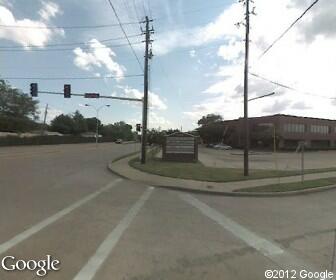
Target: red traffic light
x=91, y=95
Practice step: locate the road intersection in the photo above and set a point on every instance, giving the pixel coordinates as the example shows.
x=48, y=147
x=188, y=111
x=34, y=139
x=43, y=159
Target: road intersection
x=62, y=201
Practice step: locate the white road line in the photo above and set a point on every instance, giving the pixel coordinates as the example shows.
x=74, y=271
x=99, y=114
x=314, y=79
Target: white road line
x=269, y=249
x=95, y=262
x=41, y=225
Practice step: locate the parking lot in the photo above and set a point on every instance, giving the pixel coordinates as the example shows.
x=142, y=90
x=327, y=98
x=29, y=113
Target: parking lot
x=267, y=160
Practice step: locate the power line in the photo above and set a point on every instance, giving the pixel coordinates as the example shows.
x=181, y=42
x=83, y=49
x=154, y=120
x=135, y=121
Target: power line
x=72, y=78
x=187, y=12
x=289, y=87
x=136, y=11
x=67, y=27
x=123, y=30
x=289, y=28
x=70, y=44
x=149, y=9
x=67, y=49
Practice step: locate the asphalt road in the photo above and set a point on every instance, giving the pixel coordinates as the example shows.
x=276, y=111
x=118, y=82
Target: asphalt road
x=62, y=201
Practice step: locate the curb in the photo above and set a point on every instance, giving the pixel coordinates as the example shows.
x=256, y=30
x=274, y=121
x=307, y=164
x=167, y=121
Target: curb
x=251, y=194
x=230, y=194
x=109, y=168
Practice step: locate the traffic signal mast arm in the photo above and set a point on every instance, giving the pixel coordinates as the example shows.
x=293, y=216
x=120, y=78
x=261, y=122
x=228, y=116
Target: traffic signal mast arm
x=83, y=95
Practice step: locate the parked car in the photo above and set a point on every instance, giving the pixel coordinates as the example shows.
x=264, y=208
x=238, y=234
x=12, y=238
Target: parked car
x=210, y=145
x=222, y=147
x=119, y=141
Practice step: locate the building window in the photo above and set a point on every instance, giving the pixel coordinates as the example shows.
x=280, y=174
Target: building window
x=294, y=128
x=320, y=129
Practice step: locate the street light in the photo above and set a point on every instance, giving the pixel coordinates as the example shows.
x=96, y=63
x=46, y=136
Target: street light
x=97, y=115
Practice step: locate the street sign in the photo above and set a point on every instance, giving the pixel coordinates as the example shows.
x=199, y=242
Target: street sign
x=91, y=95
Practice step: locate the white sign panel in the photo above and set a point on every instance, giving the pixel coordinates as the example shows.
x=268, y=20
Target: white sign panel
x=180, y=145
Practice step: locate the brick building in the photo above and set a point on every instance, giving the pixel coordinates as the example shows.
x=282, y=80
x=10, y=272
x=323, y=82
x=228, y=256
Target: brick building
x=288, y=131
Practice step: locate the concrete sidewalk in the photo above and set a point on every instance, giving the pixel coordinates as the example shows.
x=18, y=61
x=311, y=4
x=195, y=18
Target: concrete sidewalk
x=123, y=169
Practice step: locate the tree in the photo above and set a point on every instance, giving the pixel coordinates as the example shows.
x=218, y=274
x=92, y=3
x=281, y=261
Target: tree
x=79, y=123
x=63, y=124
x=18, y=111
x=92, y=124
x=210, y=119
x=69, y=124
x=119, y=130
x=211, y=128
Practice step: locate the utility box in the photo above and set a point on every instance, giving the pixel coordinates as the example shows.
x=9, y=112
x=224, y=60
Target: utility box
x=180, y=147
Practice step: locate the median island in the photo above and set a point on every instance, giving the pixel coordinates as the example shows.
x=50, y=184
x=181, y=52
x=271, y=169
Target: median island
x=199, y=172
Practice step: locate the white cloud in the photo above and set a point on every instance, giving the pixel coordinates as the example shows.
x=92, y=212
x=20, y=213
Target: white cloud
x=192, y=53
x=221, y=28
x=36, y=35
x=98, y=56
x=49, y=10
x=155, y=121
x=6, y=3
x=277, y=107
x=297, y=60
x=233, y=50
x=155, y=102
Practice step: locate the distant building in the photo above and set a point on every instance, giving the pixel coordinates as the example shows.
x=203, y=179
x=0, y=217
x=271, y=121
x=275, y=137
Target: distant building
x=288, y=131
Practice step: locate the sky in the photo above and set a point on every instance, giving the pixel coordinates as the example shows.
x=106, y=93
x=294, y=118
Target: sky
x=198, y=61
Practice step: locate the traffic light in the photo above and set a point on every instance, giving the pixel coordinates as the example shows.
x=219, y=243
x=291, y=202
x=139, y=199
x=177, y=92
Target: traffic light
x=33, y=89
x=138, y=127
x=67, y=91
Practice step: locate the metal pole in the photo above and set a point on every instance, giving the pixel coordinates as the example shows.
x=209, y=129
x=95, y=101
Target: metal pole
x=44, y=119
x=274, y=138
x=302, y=161
x=246, y=123
x=97, y=126
x=145, y=99
x=333, y=254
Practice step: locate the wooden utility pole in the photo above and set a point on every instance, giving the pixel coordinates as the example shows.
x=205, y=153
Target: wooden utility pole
x=145, y=98
x=246, y=121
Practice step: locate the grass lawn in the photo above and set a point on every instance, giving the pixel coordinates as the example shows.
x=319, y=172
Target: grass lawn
x=197, y=171
x=287, y=187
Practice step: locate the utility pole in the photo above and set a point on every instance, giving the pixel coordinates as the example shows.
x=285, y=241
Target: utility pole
x=44, y=119
x=246, y=121
x=148, y=55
